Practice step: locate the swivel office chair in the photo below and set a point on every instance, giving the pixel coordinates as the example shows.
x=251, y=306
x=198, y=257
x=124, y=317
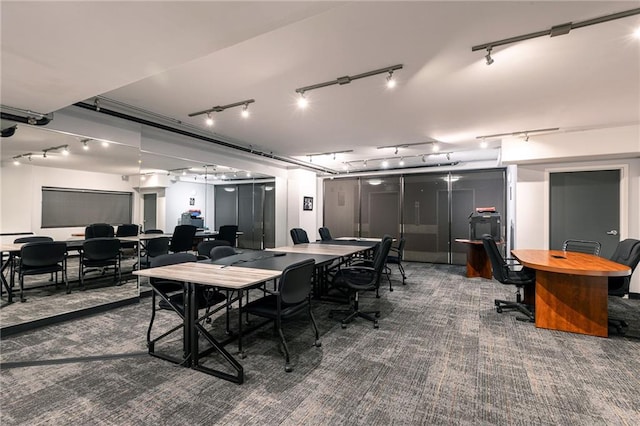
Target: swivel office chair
x=182, y=238
x=227, y=233
x=151, y=248
x=582, y=246
x=627, y=253
x=395, y=257
x=299, y=236
x=505, y=274
x=325, y=235
x=205, y=247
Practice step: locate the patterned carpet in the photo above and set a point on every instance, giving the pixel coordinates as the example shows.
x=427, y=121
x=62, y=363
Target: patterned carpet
x=442, y=355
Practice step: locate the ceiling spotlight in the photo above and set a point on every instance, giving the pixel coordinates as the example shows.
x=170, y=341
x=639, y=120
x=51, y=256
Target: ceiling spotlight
x=484, y=144
x=435, y=147
x=85, y=146
x=448, y=156
x=365, y=163
x=526, y=137
x=65, y=150
x=44, y=154
x=488, y=57
x=105, y=144
x=302, y=101
x=245, y=111
x=184, y=173
x=208, y=121
x=16, y=161
x=248, y=174
x=391, y=82
x=424, y=159
x=96, y=104
x=385, y=163
x=396, y=153
x=401, y=163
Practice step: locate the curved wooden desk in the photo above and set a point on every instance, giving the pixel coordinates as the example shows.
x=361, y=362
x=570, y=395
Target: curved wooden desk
x=571, y=289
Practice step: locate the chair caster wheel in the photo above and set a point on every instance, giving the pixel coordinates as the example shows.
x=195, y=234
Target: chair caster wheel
x=377, y=314
x=343, y=325
x=242, y=355
x=375, y=325
x=390, y=289
x=318, y=344
x=499, y=310
x=288, y=368
x=208, y=320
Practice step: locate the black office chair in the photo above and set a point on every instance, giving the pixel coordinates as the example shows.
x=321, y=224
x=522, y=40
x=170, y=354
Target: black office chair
x=227, y=233
x=30, y=239
x=99, y=230
x=355, y=279
x=128, y=230
x=42, y=257
x=154, y=231
x=182, y=238
x=504, y=273
x=101, y=254
x=299, y=236
x=325, y=235
x=395, y=258
x=627, y=253
x=205, y=247
x=221, y=251
x=153, y=247
x=582, y=246
x=293, y=295
x=369, y=261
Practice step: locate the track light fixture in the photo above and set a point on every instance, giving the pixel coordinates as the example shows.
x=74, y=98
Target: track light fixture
x=348, y=79
x=525, y=133
x=64, y=148
x=219, y=108
x=85, y=144
x=552, y=32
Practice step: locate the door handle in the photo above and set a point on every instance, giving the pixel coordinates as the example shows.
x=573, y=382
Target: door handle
x=612, y=232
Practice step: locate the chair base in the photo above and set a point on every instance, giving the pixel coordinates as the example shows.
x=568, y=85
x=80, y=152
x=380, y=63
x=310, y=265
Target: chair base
x=355, y=312
x=501, y=305
x=620, y=325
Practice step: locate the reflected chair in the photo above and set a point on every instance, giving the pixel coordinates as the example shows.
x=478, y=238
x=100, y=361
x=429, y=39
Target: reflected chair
x=358, y=278
x=99, y=230
x=325, y=235
x=582, y=246
x=505, y=273
x=153, y=247
x=227, y=233
x=627, y=253
x=182, y=238
x=154, y=231
x=101, y=254
x=221, y=251
x=395, y=258
x=292, y=296
x=29, y=239
x=299, y=236
x=128, y=230
x=205, y=247
x=42, y=257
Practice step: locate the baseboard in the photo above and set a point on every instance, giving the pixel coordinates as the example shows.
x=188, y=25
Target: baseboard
x=634, y=295
x=20, y=328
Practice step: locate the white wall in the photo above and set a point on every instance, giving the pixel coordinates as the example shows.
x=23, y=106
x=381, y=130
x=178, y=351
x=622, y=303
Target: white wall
x=22, y=196
x=178, y=195
x=302, y=183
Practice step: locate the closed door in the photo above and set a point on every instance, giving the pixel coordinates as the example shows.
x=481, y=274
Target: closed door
x=585, y=205
x=150, y=211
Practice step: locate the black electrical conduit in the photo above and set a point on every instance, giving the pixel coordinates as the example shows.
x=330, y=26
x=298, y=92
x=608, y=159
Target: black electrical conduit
x=139, y=120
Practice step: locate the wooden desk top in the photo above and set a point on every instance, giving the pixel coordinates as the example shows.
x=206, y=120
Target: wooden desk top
x=10, y=247
x=329, y=249
x=228, y=277
x=568, y=262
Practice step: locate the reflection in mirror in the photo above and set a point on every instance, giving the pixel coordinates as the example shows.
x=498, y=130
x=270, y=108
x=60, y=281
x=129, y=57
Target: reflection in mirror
x=55, y=184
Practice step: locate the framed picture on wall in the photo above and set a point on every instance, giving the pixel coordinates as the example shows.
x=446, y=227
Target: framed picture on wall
x=307, y=203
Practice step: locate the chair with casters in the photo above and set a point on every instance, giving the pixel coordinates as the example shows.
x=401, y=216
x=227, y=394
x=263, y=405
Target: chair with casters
x=182, y=238
x=227, y=233
x=505, y=273
x=100, y=254
x=221, y=251
x=359, y=278
x=395, y=258
x=325, y=235
x=292, y=296
x=627, y=253
x=153, y=247
x=204, y=248
x=42, y=257
x=370, y=261
x=154, y=231
x=99, y=230
x=582, y=246
x=299, y=236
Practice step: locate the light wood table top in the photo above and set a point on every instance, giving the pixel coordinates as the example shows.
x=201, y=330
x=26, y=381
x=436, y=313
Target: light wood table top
x=228, y=277
x=329, y=249
x=11, y=247
x=373, y=240
x=568, y=262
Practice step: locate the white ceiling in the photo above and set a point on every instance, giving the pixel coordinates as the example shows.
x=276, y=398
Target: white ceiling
x=175, y=58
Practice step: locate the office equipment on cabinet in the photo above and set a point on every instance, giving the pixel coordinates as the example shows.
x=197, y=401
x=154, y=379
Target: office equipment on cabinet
x=485, y=220
x=192, y=217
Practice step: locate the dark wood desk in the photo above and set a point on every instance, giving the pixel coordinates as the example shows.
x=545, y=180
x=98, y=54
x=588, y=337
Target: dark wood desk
x=571, y=289
x=478, y=263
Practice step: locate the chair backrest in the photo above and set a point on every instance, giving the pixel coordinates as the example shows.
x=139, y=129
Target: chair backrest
x=498, y=265
x=154, y=231
x=325, y=235
x=32, y=239
x=221, y=251
x=43, y=253
x=582, y=246
x=295, y=283
x=172, y=259
x=205, y=247
x=228, y=233
x=627, y=253
x=98, y=230
x=401, y=248
x=127, y=230
x=182, y=238
x=101, y=248
x=157, y=246
x=380, y=258
x=299, y=236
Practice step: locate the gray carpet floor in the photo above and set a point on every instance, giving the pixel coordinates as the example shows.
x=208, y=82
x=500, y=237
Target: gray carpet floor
x=442, y=355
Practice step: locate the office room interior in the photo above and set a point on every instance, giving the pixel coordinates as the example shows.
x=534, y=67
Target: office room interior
x=195, y=110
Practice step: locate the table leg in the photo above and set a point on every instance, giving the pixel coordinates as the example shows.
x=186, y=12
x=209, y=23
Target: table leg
x=574, y=303
x=5, y=284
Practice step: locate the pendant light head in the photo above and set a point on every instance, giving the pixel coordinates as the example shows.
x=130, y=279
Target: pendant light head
x=302, y=101
x=209, y=120
x=391, y=82
x=245, y=111
x=488, y=57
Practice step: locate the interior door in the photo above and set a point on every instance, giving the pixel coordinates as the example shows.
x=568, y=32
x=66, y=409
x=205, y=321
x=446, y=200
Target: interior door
x=150, y=211
x=585, y=205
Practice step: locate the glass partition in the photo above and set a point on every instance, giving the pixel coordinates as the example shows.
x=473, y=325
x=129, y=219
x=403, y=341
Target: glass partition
x=342, y=207
x=380, y=206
